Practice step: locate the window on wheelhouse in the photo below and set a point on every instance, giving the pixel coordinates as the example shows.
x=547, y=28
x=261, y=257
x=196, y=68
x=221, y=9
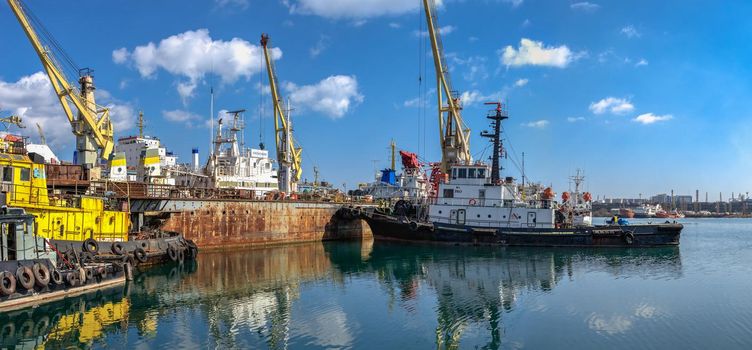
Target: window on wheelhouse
x=462, y=173
x=448, y=193
x=454, y=173
x=471, y=173
x=481, y=173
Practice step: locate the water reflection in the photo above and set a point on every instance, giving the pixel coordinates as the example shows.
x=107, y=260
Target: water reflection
x=296, y=297
x=475, y=285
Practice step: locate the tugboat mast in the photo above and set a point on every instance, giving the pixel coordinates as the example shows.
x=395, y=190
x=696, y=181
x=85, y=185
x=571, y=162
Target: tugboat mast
x=497, y=115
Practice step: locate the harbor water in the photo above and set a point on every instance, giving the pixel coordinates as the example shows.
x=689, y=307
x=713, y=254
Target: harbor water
x=376, y=295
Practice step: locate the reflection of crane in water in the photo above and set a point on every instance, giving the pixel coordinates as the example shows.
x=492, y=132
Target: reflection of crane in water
x=476, y=291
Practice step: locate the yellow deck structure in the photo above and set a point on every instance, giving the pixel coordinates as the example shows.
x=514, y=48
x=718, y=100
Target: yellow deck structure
x=73, y=217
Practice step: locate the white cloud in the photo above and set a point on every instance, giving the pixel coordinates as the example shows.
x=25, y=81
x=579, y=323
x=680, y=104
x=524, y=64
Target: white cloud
x=33, y=99
x=472, y=39
x=650, y=118
x=179, y=116
x=333, y=96
x=193, y=55
x=353, y=9
x=514, y=3
x=613, y=105
x=539, y=124
x=614, y=325
x=474, y=67
x=120, y=55
x=641, y=62
x=535, y=53
x=631, y=32
x=526, y=23
x=445, y=30
x=415, y=102
x=242, y=4
x=575, y=119
x=469, y=98
x=394, y=25
x=521, y=82
x=585, y=6
x=321, y=45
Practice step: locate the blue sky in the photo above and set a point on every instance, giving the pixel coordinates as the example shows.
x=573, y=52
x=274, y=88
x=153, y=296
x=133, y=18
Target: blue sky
x=645, y=96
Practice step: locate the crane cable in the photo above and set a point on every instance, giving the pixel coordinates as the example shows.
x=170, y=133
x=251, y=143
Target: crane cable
x=50, y=39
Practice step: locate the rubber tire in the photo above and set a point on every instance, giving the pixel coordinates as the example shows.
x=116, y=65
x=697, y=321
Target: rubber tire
x=413, y=226
x=89, y=274
x=8, y=331
x=118, y=248
x=192, y=253
x=181, y=255
x=91, y=246
x=86, y=257
x=25, y=277
x=11, y=281
x=629, y=238
x=72, y=279
x=56, y=277
x=140, y=255
x=41, y=275
x=41, y=326
x=172, y=253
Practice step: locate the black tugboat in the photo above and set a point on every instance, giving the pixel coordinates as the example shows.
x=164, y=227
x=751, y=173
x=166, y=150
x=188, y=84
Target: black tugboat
x=475, y=205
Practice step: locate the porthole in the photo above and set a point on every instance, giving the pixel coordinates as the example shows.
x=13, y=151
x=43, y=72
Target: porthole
x=489, y=216
x=439, y=211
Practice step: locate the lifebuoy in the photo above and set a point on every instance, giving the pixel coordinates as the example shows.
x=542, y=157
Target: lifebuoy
x=7, y=283
x=140, y=255
x=629, y=237
x=118, y=248
x=41, y=275
x=91, y=246
x=25, y=277
x=472, y=201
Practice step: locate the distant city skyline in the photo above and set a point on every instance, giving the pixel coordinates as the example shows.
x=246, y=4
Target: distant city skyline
x=633, y=93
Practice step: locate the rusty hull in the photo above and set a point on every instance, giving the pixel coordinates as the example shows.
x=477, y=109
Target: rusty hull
x=235, y=223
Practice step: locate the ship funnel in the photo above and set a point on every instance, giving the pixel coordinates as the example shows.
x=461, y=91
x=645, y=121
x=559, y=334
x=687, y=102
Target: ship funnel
x=195, y=159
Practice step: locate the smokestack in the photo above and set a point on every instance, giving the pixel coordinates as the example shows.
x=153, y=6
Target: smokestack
x=195, y=159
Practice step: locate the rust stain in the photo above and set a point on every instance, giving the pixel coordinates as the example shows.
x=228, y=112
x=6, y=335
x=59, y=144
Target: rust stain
x=236, y=223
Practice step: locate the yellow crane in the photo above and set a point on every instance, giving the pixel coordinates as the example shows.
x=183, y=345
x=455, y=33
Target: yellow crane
x=454, y=135
x=288, y=152
x=91, y=125
x=42, y=139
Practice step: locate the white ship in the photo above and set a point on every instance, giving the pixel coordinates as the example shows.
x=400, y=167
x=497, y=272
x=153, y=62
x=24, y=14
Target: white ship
x=411, y=185
x=647, y=210
x=232, y=165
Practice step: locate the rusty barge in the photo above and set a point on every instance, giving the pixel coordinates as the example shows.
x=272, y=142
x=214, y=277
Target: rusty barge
x=235, y=222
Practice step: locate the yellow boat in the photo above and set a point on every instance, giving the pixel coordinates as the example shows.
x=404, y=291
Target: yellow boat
x=58, y=216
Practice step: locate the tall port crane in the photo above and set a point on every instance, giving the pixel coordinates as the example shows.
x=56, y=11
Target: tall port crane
x=91, y=125
x=288, y=152
x=454, y=135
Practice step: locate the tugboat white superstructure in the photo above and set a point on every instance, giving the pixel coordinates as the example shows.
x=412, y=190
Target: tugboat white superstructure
x=474, y=205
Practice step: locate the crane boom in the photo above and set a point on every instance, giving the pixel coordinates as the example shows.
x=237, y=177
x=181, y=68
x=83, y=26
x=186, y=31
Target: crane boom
x=91, y=125
x=288, y=152
x=454, y=135
x=42, y=139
